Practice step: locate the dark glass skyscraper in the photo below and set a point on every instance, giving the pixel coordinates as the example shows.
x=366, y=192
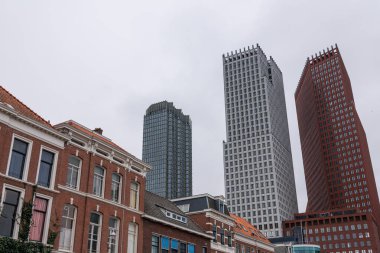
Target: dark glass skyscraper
x=167, y=148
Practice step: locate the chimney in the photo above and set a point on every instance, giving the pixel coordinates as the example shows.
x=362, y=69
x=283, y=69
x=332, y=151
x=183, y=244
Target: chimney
x=98, y=130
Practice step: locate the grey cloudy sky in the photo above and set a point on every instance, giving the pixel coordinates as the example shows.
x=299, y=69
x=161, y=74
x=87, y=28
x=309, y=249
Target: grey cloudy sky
x=102, y=63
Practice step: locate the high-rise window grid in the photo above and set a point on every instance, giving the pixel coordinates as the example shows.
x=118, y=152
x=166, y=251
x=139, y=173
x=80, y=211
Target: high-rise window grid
x=257, y=139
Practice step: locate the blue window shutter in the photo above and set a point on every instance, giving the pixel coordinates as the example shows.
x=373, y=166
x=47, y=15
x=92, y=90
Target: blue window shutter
x=165, y=243
x=174, y=244
x=190, y=248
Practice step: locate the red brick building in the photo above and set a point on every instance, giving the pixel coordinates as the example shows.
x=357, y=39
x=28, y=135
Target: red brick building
x=212, y=215
x=248, y=239
x=82, y=185
x=168, y=229
x=101, y=196
x=344, y=231
x=337, y=163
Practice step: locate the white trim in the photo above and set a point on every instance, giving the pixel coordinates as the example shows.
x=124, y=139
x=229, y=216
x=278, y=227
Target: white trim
x=147, y=216
x=31, y=127
x=224, y=248
x=229, y=221
x=45, y=230
x=28, y=183
x=254, y=242
x=54, y=168
x=16, y=225
x=92, y=196
x=27, y=158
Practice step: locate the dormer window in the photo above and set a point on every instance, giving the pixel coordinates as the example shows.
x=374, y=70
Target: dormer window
x=174, y=216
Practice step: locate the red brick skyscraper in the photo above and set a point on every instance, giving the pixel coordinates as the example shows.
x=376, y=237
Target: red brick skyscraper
x=335, y=153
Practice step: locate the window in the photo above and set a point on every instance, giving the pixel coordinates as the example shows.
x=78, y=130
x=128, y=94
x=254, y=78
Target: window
x=113, y=236
x=174, y=246
x=155, y=244
x=94, y=233
x=190, y=248
x=204, y=250
x=46, y=168
x=18, y=159
x=67, y=228
x=182, y=247
x=10, y=207
x=115, y=187
x=134, y=198
x=38, y=219
x=214, y=232
x=229, y=239
x=73, y=172
x=98, y=181
x=222, y=236
x=164, y=244
x=132, y=238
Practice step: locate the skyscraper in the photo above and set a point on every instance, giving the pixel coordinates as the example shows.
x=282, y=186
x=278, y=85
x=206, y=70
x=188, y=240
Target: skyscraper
x=258, y=167
x=335, y=153
x=342, y=213
x=167, y=148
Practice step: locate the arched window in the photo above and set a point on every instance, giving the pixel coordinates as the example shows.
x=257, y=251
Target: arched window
x=73, y=172
x=98, y=184
x=115, y=187
x=94, y=233
x=132, y=237
x=66, y=237
x=134, y=195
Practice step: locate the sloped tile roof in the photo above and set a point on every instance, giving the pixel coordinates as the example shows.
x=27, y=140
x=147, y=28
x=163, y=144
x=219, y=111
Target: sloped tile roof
x=247, y=229
x=7, y=98
x=153, y=204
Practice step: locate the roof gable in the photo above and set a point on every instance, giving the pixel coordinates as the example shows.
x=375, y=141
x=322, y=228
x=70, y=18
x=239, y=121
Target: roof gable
x=13, y=103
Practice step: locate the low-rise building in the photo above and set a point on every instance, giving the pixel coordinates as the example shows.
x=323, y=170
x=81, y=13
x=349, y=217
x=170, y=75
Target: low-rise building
x=212, y=215
x=168, y=229
x=31, y=153
x=87, y=193
x=101, y=197
x=343, y=231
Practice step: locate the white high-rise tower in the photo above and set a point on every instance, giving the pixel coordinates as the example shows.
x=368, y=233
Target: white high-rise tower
x=258, y=167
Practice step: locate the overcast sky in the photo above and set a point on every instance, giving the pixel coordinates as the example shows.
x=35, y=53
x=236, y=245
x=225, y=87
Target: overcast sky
x=102, y=63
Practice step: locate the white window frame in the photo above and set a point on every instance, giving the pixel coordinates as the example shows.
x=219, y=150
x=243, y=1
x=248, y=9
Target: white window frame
x=136, y=236
x=73, y=229
x=138, y=195
x=116, y=236
x=103, y=181
x=100, y=230
x=19, y=207
x=27, y=158
x=120, y=186
x=45, y=231
x=79, y=172
x=54, y=169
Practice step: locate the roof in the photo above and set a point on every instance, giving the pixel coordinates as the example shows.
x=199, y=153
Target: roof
x=93, y=134
x=204, y=202
x=7, y=98
x=153, y=205
x=245, y=228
